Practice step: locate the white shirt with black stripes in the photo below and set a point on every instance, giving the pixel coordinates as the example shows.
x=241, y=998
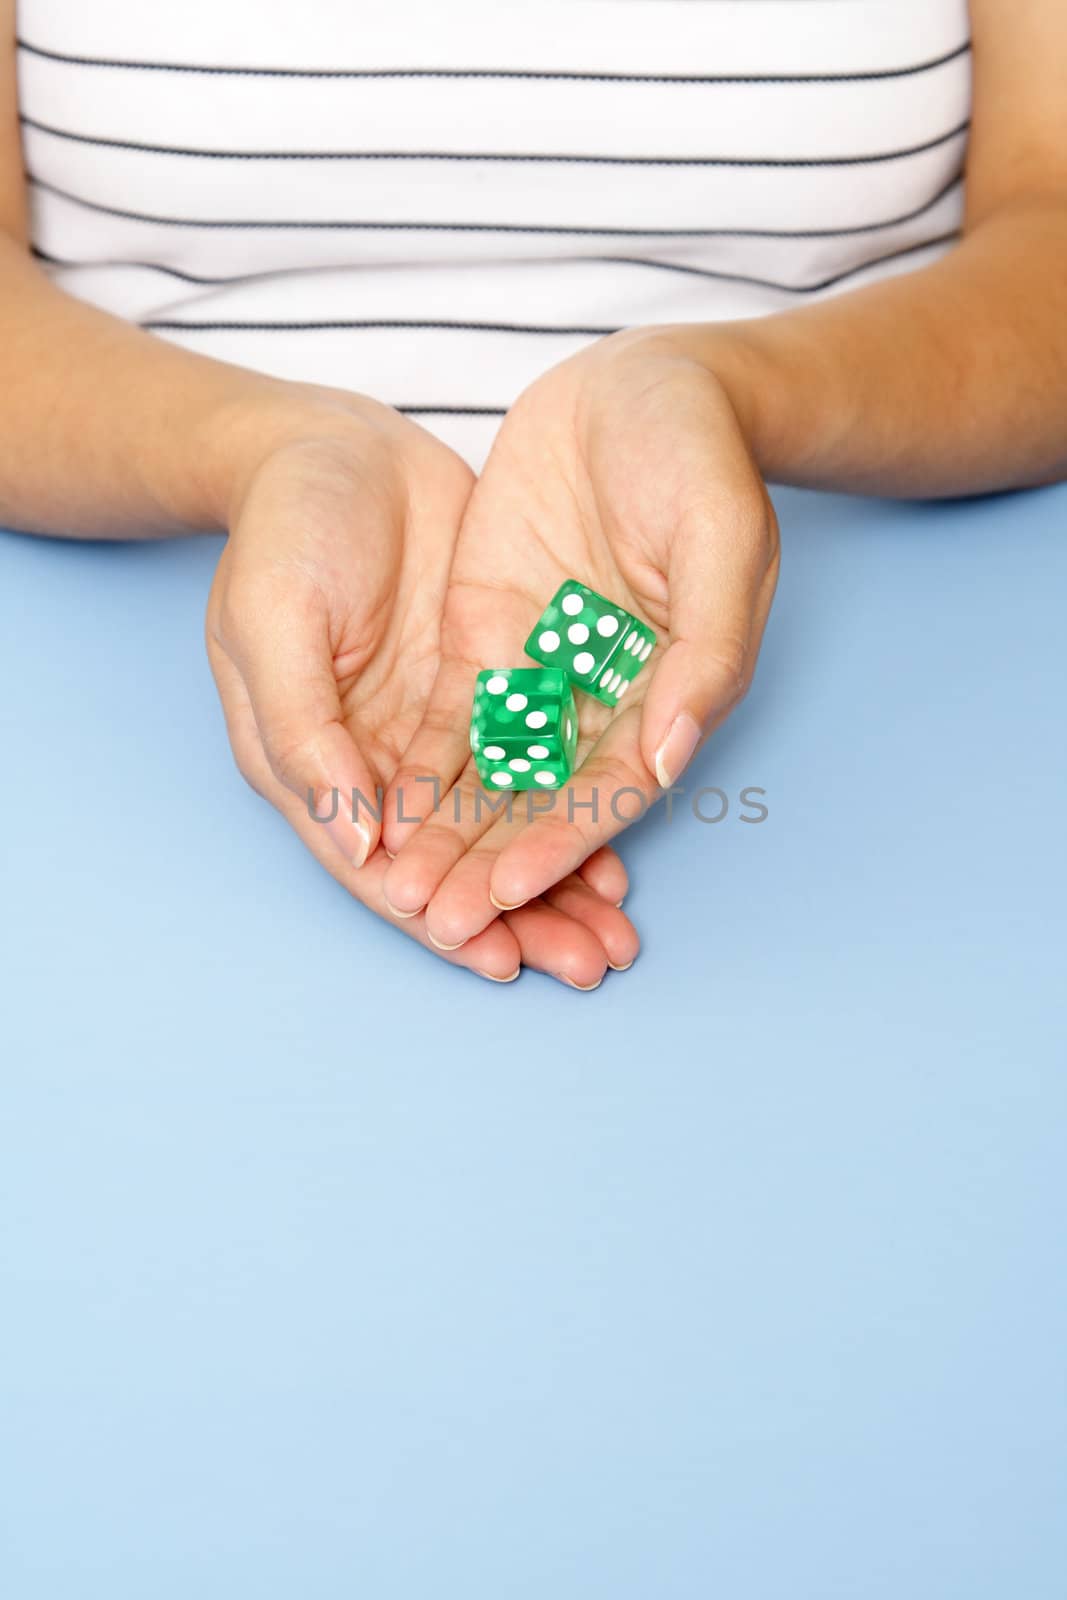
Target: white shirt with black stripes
x=432, y=203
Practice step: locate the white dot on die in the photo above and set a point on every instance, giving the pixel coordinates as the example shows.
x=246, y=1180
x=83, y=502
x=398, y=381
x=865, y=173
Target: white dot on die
x=613, y=686
x=577, y=633
x=494, y=752
x=538, y=751
x=503, y=779
x=497, y=685
x=572, y=604
x=606, y=679
x=631, y=641
x=607, y=626
x=548, y=642
x=536, y=719
x=647, y=651
x=519, y=765
x=516, y=702
x=621, y=690
x=583, y=661
x=569, y=729
x=545, y=777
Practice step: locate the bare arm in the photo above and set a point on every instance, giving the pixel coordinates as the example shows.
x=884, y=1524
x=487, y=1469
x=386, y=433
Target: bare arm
x=105, y=430
x=951, y=379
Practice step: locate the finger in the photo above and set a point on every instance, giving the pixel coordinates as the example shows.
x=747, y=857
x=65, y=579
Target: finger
x=437, y=754
x=616, y=932
x=495, y=954
x=443, y=842
x=553, y=941
x=448, y=830
x=605, y=873
x=468, y=895
x=723, y=567
x=440, y=749
x=444, y=838
x=277, y=633
x=612, y=789
x=463, y=906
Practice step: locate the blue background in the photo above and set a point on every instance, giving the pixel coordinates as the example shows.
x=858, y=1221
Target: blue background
x=329, y=1271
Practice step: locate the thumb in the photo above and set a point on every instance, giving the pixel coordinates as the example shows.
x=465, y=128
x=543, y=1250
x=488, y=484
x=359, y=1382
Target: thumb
x=722, y=572
x=281, y=647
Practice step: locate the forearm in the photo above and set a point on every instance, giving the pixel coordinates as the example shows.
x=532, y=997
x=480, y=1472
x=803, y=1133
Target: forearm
x=949, y=380
x=106, y=431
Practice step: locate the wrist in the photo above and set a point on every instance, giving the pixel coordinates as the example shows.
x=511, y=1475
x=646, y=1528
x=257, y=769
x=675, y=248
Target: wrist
x=737, y=355
x=248, y=424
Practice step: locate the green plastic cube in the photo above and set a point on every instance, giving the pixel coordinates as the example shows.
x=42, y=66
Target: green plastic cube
x=599, y=646
x=524, y=728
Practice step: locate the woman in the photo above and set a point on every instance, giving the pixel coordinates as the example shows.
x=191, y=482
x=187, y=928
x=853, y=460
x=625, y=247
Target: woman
x=331, y=222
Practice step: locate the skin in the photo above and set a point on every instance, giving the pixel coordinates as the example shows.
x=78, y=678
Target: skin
x=638, y=466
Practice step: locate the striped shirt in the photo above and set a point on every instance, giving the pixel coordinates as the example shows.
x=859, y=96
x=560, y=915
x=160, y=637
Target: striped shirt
x=433, y=203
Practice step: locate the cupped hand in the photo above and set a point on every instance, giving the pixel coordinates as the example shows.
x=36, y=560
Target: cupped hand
x=323, y=633
x=625, y=467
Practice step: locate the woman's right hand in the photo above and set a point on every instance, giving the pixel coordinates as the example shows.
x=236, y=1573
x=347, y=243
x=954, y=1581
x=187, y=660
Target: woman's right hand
x=323, y=632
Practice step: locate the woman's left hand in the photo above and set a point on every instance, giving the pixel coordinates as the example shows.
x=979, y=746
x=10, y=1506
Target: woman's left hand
x=625, y=467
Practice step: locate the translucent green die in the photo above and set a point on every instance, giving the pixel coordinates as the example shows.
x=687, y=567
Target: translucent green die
x=599, y=646
x=524, y=728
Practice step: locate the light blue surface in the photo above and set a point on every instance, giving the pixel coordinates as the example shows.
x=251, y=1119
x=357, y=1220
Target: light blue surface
x=329, y=1272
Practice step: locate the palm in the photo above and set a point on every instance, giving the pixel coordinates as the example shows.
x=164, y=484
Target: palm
x=532, y=521
x=387, y=598
x=527, y=530
x=615, y=469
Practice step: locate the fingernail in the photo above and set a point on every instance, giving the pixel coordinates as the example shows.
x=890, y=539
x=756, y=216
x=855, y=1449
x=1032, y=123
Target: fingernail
x=439, y=946
x=625, y=968
x=501, y=906
x=584, y=987
x=676, y=751
x=619, y=905
x=493, y=977
x=396, y=911
x=351, y=836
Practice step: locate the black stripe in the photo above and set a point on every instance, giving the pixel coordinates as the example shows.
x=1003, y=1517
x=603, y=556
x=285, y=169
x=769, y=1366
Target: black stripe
x=452, y=411
x=508, y=73
x=787, y=288
x=487, y=157
x=439, y=326
x=149, y=266
x=496, y=227
x=622, y=261
x=371, y=324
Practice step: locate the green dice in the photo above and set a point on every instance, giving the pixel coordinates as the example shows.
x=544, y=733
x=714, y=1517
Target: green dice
x=524, y=729
x=598, y=645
